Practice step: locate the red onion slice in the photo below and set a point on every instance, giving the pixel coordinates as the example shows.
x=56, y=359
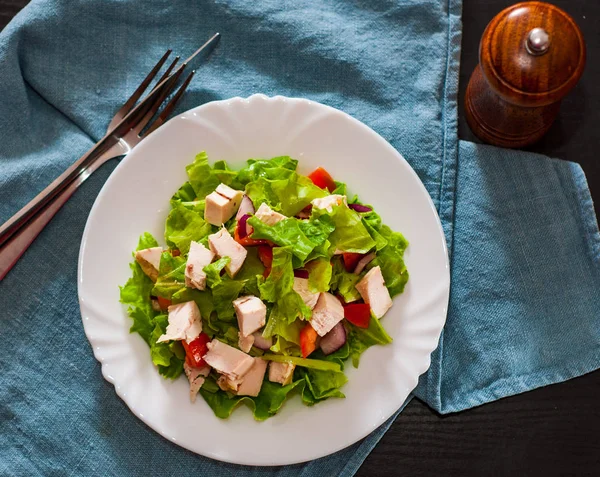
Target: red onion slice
x=363, y=262
x=246, y=208
x=260, y=342
x=243, y=226
x=301, y=273
x=305, y=213
x=360, y=208
x=334, y=340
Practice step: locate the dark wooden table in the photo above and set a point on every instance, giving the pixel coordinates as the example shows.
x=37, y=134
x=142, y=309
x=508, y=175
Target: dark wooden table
x=549, y=431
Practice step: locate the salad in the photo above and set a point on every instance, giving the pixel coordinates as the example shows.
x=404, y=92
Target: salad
x=270, y=283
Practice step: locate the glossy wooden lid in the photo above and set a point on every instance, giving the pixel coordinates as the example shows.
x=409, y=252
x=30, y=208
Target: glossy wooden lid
x=532, y=54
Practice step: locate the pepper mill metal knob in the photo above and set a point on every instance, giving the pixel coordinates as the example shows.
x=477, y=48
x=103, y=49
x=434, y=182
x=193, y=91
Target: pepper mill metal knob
x=530, y=56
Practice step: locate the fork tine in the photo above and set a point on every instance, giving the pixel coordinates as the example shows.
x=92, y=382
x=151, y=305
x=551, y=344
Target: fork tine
x=130, y=103
x=166, y=112
x=167, y=88
x=168, y=71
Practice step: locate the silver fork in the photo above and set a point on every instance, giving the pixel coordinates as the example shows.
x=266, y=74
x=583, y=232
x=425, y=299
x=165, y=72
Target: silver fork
x=129, y=126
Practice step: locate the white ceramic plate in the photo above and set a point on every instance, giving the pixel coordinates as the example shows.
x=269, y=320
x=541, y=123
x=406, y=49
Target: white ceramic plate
x=136, y=199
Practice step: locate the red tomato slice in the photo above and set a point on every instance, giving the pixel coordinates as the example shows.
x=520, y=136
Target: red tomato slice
x=351, y=260
x=358, y=314
x=265, y=253
x=195, y=350
x=308, y=340
x=321, y=178
x=267, y=272
x=164, y=303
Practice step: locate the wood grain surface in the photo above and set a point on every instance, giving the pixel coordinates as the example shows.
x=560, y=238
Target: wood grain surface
x=513, y=96
x=552, y=431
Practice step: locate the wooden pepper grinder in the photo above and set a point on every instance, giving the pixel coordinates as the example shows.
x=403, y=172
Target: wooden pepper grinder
x=530, y=56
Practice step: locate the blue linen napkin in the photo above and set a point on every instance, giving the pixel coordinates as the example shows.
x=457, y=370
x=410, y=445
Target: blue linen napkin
x=525, y=246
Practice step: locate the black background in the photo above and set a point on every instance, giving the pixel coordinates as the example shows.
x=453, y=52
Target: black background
x=549, y=431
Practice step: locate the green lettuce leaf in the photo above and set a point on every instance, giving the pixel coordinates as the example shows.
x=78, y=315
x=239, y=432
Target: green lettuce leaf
x=340, y=188
x=321, y=385
x=350, y=235
x=391, y=261
x=265, y=405
x=146, y=241
x=372, y=222
x=300, y=236
x=204, y=179
x=344, y=283
x=281, y=167
x=171, y=276
x=280, y=281
x=184, y=225
x=251, y=272
x=213, y=271
x=287, y=304
x=320, y=272
x=359, y=339
x=276, y=183
x=168, y=357
x=295, y=193
x=186, y=193
x=283, y=346
x=223, y=295
x=278, y=326
x=136, y=294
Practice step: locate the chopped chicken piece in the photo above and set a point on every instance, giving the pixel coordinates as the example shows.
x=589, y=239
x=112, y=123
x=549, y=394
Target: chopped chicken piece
x=267, y=215
x=253, y=379
x=301, y=288
x=227, y=360
x=196, y=378
x=329, y=202
x=227, y=384
x=373, y=290
x=245, y=342
x=149, y=260
x=326, y=314
x=223, y=245
x=198, y=258
x=281, y=372
x=222, y=204
x=185, y=323
x=251, y=314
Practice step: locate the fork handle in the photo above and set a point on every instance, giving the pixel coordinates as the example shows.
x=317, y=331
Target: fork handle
x=19, y=242
x=13, y=225
x=17, y=234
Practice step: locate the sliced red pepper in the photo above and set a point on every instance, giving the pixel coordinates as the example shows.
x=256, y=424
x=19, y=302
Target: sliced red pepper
x=351, y=260
x=175, y=252
x=321, y=178
x=195, y=350
x=308, y=340
x=265, y=253
x=358, y=314
x=164, y=303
